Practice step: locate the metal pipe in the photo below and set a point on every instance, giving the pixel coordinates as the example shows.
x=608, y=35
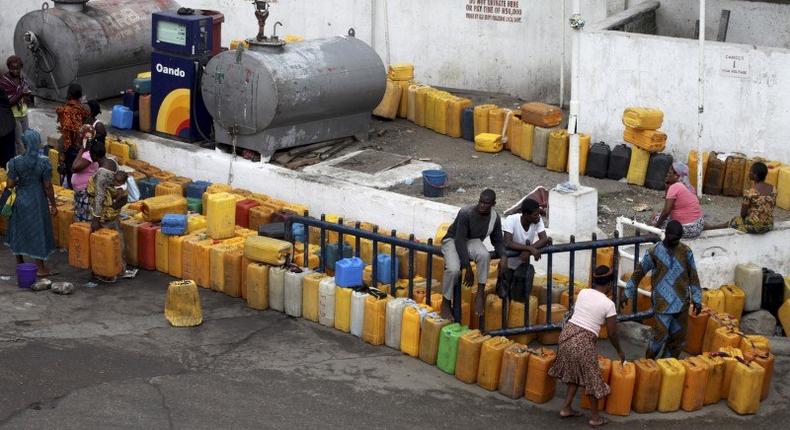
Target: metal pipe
x=393, y=267
x=403, y=243
x=554, y=327
x=701, y=95
x=322, y=242
x=374, y=280
x=411, y=272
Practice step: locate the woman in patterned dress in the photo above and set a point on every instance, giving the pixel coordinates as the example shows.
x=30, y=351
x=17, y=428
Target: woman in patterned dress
x=757, y=208
x=577, y=364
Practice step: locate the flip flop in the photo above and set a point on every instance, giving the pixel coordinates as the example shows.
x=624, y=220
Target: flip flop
x=47, y=274
x=574, y=414
x=603, y=422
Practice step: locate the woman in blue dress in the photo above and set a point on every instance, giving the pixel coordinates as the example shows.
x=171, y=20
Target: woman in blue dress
x=30, y=226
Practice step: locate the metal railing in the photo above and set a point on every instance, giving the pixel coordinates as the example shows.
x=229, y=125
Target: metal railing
x=376, y=238
x=639, y=228
x=571, y=248
x=413, y=247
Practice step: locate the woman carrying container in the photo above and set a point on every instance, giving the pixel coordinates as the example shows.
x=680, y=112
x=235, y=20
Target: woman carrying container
x=30, y=226
x=681, y=203
x=757, y=208
x=577, y=363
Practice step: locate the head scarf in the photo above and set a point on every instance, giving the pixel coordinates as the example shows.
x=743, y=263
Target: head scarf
x=683, y=174
x=32, y=140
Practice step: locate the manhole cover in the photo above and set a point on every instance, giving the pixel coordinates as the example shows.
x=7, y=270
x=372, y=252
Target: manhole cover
x=371, y=162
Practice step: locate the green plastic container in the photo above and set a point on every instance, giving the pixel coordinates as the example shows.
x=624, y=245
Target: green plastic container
x=448, y=347
x=195, y=205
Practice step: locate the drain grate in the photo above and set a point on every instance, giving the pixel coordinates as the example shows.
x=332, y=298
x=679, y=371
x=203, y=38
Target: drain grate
x=371, y=162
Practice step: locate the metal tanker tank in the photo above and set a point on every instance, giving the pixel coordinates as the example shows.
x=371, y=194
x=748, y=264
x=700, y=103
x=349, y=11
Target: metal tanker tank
x=101, y=45
x=274, y=97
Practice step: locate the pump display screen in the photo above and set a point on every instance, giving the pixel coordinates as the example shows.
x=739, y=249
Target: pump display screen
x=171, y=32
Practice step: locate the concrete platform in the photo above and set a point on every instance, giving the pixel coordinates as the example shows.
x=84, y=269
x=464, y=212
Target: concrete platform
x=106, y=358
x=380, y=179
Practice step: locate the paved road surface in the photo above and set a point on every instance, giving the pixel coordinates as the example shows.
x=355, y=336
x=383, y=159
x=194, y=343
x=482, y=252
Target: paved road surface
x=106, y=358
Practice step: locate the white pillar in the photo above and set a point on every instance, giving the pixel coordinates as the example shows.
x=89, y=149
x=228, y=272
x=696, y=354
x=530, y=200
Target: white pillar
x=701, y=99
x=573, y=150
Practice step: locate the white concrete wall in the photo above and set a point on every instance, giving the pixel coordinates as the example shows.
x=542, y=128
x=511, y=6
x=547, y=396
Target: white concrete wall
x=449, y=50
x=741, y=114
x=717, y=252
x=751, y=22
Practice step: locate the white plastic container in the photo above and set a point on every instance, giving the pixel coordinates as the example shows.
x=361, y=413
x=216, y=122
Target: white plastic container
x=358, y=312
x=277, y=288
x=749, y=278
x=326, y=302
x=293, y=291
x=394, y=317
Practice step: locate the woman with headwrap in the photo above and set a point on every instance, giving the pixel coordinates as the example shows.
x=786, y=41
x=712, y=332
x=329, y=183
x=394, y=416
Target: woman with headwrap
x=30, y=226
x=681, y=203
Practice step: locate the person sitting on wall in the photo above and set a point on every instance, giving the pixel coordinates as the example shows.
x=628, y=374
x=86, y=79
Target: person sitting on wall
x=524, y=232
x=757, y=208
x=464, y=240
x=681, y=203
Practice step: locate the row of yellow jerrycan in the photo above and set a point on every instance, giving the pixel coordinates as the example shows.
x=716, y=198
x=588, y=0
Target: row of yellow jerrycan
x=413, y=328
x=669, y=384
x=498, y=363
x=730, y=176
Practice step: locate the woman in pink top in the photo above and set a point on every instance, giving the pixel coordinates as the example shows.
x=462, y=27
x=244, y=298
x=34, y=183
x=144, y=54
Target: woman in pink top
x=681, y=203
x=84, y=166
x=577, y=363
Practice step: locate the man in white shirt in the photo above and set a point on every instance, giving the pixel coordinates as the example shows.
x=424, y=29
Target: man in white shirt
x=525, y=232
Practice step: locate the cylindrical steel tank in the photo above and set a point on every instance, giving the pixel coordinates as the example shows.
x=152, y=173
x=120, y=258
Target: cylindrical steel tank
x=101, y=44
x=273, y=97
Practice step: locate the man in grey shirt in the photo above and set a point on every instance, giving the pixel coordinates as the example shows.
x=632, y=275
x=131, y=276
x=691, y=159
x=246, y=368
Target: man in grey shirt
x=464, y=240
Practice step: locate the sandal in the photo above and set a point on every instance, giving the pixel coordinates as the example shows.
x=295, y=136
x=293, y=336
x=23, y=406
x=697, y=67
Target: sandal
x=573, y=414
x=603, y=422
x=47, y=273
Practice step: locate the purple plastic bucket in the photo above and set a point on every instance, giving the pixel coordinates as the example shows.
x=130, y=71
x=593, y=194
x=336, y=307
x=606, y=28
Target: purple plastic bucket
x=26, y=274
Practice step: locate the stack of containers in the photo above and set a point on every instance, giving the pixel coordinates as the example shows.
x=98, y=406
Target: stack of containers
x=142, y=87
x=348, y=276
x=396, y=97
x=647, y=166
x=543, y=119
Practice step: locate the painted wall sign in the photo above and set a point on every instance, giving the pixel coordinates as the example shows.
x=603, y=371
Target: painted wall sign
x=494, y=10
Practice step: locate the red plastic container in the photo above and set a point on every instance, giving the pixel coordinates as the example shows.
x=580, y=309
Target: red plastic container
x=146, y=246
x=216, y=35
x=243, y=212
